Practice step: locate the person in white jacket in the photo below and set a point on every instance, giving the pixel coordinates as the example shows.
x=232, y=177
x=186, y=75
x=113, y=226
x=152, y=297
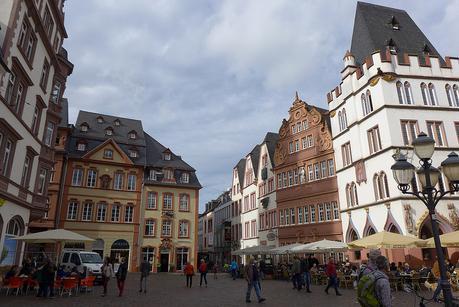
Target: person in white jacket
x=107, y=273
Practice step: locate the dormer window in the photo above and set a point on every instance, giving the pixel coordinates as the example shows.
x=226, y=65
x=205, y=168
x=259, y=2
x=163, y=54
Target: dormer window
x=117, y=122
x=152, y=175
x=392, y=47
x=132, y=135
x=81, y=146
x=185, y=178
x=167, y=156
x=109, y=131
x=84, y=127
x=168, y=174
x=133, y=153
x=394, y=23
x=108, y=154
x=100, y=119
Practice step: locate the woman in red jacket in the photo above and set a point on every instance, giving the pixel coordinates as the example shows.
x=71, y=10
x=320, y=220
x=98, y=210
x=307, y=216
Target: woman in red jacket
x=189, y=272
x=332, y=277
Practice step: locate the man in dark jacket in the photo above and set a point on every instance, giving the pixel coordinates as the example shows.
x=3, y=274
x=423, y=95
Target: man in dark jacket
x=306, y=274
x=296, y=272
x=145, y=269
x=121, y=275
x=252, y=276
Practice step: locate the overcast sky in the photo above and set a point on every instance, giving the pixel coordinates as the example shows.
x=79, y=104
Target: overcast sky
x=209, y=78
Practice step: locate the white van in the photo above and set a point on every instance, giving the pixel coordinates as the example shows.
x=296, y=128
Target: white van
x=81, y=259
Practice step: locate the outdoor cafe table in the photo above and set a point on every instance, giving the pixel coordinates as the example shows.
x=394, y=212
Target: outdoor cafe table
x=406, y=277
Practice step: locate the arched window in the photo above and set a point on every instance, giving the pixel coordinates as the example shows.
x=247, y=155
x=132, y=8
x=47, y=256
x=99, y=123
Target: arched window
x=370, y=231
x=354, y=194
x=456, y=95
x=384, y=184
x=352, y=235
x=408, y=94
x=425, y=94
x=433, y=95
x=15, y=228
x=401, y=97
x=376, y=187
x=393, y=228
x=364, y=104
x=344, y=119
x=369, y=102
x=348, y=195
x=449, y=94
x=340, y=121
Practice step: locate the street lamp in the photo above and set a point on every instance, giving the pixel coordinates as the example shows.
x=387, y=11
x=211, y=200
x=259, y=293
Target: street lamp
x=403, y=172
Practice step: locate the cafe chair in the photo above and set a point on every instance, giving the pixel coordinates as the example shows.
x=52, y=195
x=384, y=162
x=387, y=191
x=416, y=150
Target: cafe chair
x=69, y=285
x=14, y=283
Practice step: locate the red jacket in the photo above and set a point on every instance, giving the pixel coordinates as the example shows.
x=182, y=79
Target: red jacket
x=203, y=268
x=331, y=269
x=189, y=269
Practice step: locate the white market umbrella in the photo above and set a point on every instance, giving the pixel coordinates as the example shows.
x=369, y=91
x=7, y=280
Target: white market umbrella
x=254, y=250
x=54, y=236
x=286, y=249
x=322, y=246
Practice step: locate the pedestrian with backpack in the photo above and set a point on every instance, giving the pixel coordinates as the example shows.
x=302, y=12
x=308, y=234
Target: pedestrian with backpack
x=373, y=289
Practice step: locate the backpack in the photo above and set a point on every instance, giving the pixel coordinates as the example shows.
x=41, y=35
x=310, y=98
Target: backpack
x=366, y=294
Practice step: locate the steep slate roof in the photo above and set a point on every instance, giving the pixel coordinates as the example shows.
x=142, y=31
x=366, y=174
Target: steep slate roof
x=271, y=139
x=64, y=113
x=255, y=156
x=241, y=171
x=155, y=156
x=95, y=135
x=373, y=31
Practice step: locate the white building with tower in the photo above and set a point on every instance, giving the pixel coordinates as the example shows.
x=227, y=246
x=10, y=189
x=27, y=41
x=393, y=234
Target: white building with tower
x=394, y=85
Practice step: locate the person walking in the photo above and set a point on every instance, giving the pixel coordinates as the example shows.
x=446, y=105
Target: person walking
x=234, y=268
x=296, y=272
x=189, y=272
x=145, y=268
x=332, y=276
x=215, y=270
x=121, y=276
x=107, y=273
x=374, y=288
x=306, y=274
x=203, y=270
x=253, y=281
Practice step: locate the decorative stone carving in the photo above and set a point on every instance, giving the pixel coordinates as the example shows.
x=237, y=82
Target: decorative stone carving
x=453, y=216
x=325, y=141
x=279, y=154
x=360, y=172
x=315, y=116
x=283, y=129
x=409, y=220
x=166, y=243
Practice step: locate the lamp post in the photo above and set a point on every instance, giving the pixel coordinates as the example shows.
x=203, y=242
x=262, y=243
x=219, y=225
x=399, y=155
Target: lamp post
x=403, y=172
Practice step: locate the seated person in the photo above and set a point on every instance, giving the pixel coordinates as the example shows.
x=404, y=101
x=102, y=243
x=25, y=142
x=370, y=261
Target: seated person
x=83, y=274
x=424, y=271
x=74, y=272
x=450, y=267
x=406, y=268
x=26, y=267
x=13, y=271
x=314, y=269
x=62, y=272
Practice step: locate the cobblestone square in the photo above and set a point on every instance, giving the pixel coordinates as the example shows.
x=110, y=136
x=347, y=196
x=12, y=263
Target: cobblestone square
x=169, y=290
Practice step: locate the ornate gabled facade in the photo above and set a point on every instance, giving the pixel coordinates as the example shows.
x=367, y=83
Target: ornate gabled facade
x=236, y=205
x=32, y=82
x=307, y=192
x=394, y=85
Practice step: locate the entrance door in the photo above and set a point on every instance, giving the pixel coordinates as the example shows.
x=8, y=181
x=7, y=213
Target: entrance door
x=164, y=262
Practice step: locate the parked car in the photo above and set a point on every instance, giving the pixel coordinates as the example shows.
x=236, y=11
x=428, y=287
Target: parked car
x=80, y=259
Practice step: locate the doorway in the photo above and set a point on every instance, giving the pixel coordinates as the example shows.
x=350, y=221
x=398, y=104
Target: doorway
x=164, y=262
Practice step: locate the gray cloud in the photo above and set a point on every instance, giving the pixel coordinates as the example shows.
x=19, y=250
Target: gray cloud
x=210, y=78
